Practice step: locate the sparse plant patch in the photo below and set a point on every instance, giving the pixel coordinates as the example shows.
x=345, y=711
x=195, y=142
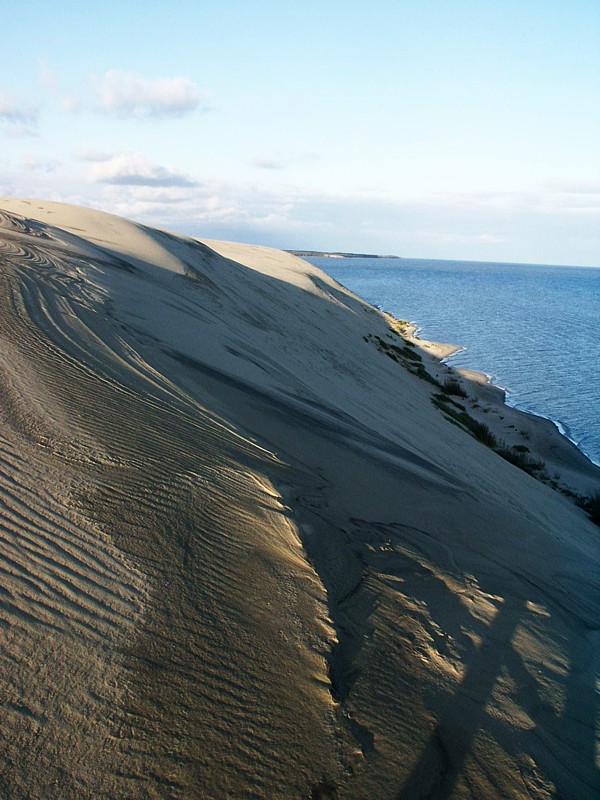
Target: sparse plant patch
x=403, y=355
x=442, y=398
x=457, y=414
x=393, y=351
x=591, y=505
x=420, y=371
x=571, y=494
x=453, y=386
x=398, y=326
x=533, y=466
x=516, y=455
x=479, y=429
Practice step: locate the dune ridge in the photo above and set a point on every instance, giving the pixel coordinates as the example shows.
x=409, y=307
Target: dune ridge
x=244, y=555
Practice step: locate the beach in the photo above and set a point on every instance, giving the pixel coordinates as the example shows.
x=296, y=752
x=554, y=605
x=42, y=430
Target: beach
x=253, y=544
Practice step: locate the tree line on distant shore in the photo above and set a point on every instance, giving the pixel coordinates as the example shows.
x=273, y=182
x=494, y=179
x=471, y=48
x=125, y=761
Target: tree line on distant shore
x=321, y=254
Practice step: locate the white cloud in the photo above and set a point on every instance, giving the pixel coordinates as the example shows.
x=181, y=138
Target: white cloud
x=19, y=118
x=221, y=208
x=14, y=110
x=133, y=169
x=281, y=163
x=18, y=130
x=268, y=163
x=449, y=237
x=46, y=76
x=94, y=155
x=569, y=199
x=71, y=104
x=504, y=227
x=32, y=161
x=572, y=198
x=581, y=187
x=126, y=94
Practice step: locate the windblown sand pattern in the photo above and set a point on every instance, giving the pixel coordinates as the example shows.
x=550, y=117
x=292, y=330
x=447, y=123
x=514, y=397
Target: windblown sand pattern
x=242, y=554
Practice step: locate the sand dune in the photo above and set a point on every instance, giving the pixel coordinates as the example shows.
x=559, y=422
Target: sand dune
x=244, y=555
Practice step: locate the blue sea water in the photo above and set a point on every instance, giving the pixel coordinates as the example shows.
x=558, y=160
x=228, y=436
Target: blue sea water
x=535, y=330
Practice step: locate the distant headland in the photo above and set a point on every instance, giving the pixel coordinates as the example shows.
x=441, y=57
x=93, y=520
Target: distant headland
x=321, y=254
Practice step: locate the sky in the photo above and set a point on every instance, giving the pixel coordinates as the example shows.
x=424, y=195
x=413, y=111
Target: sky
x=453, y=129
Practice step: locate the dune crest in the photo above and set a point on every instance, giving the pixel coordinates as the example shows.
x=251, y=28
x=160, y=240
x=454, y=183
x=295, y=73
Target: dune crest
x=245, y=555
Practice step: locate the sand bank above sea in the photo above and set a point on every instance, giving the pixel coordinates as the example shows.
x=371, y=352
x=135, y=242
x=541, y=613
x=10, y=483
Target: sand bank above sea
x=251, y=547
x=537, y=439
x=534, y=442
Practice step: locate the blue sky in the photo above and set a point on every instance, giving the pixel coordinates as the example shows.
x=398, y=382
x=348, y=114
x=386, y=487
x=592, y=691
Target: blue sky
x=438, y=129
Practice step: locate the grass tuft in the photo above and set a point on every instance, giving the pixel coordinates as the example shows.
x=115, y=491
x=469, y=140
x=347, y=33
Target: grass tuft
x=520, y=459
x=479, y=429
x=453, y=386
x=592, y=506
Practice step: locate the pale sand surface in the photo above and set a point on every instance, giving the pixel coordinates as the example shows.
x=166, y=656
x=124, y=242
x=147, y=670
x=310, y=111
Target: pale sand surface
x=244, y=556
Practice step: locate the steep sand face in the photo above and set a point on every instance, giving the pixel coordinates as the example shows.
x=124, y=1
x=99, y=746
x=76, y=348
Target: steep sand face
x=243, y=555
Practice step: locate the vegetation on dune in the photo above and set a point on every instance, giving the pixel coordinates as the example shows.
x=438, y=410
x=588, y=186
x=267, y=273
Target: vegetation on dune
x=516, y=455
x=457, y=413
x=393, y=351
x=592, y=506
x=420, y=371
x=403, y=355
x=397, y=326
x=454, y=386
x=440, y=399
x=533, y=466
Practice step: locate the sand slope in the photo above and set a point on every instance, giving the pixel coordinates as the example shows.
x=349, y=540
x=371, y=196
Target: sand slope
x=244, y=556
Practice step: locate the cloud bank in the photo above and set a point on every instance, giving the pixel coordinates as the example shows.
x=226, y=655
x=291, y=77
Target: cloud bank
x=129, y=95
x=12, y=109
x=133, y=169
x=34, y=162
x=19, y=118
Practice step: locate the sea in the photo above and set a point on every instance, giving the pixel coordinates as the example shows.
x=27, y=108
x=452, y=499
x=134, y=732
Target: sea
x=533, y=329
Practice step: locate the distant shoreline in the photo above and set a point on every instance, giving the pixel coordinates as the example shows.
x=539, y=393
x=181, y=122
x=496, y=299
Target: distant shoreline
x=321, y=254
